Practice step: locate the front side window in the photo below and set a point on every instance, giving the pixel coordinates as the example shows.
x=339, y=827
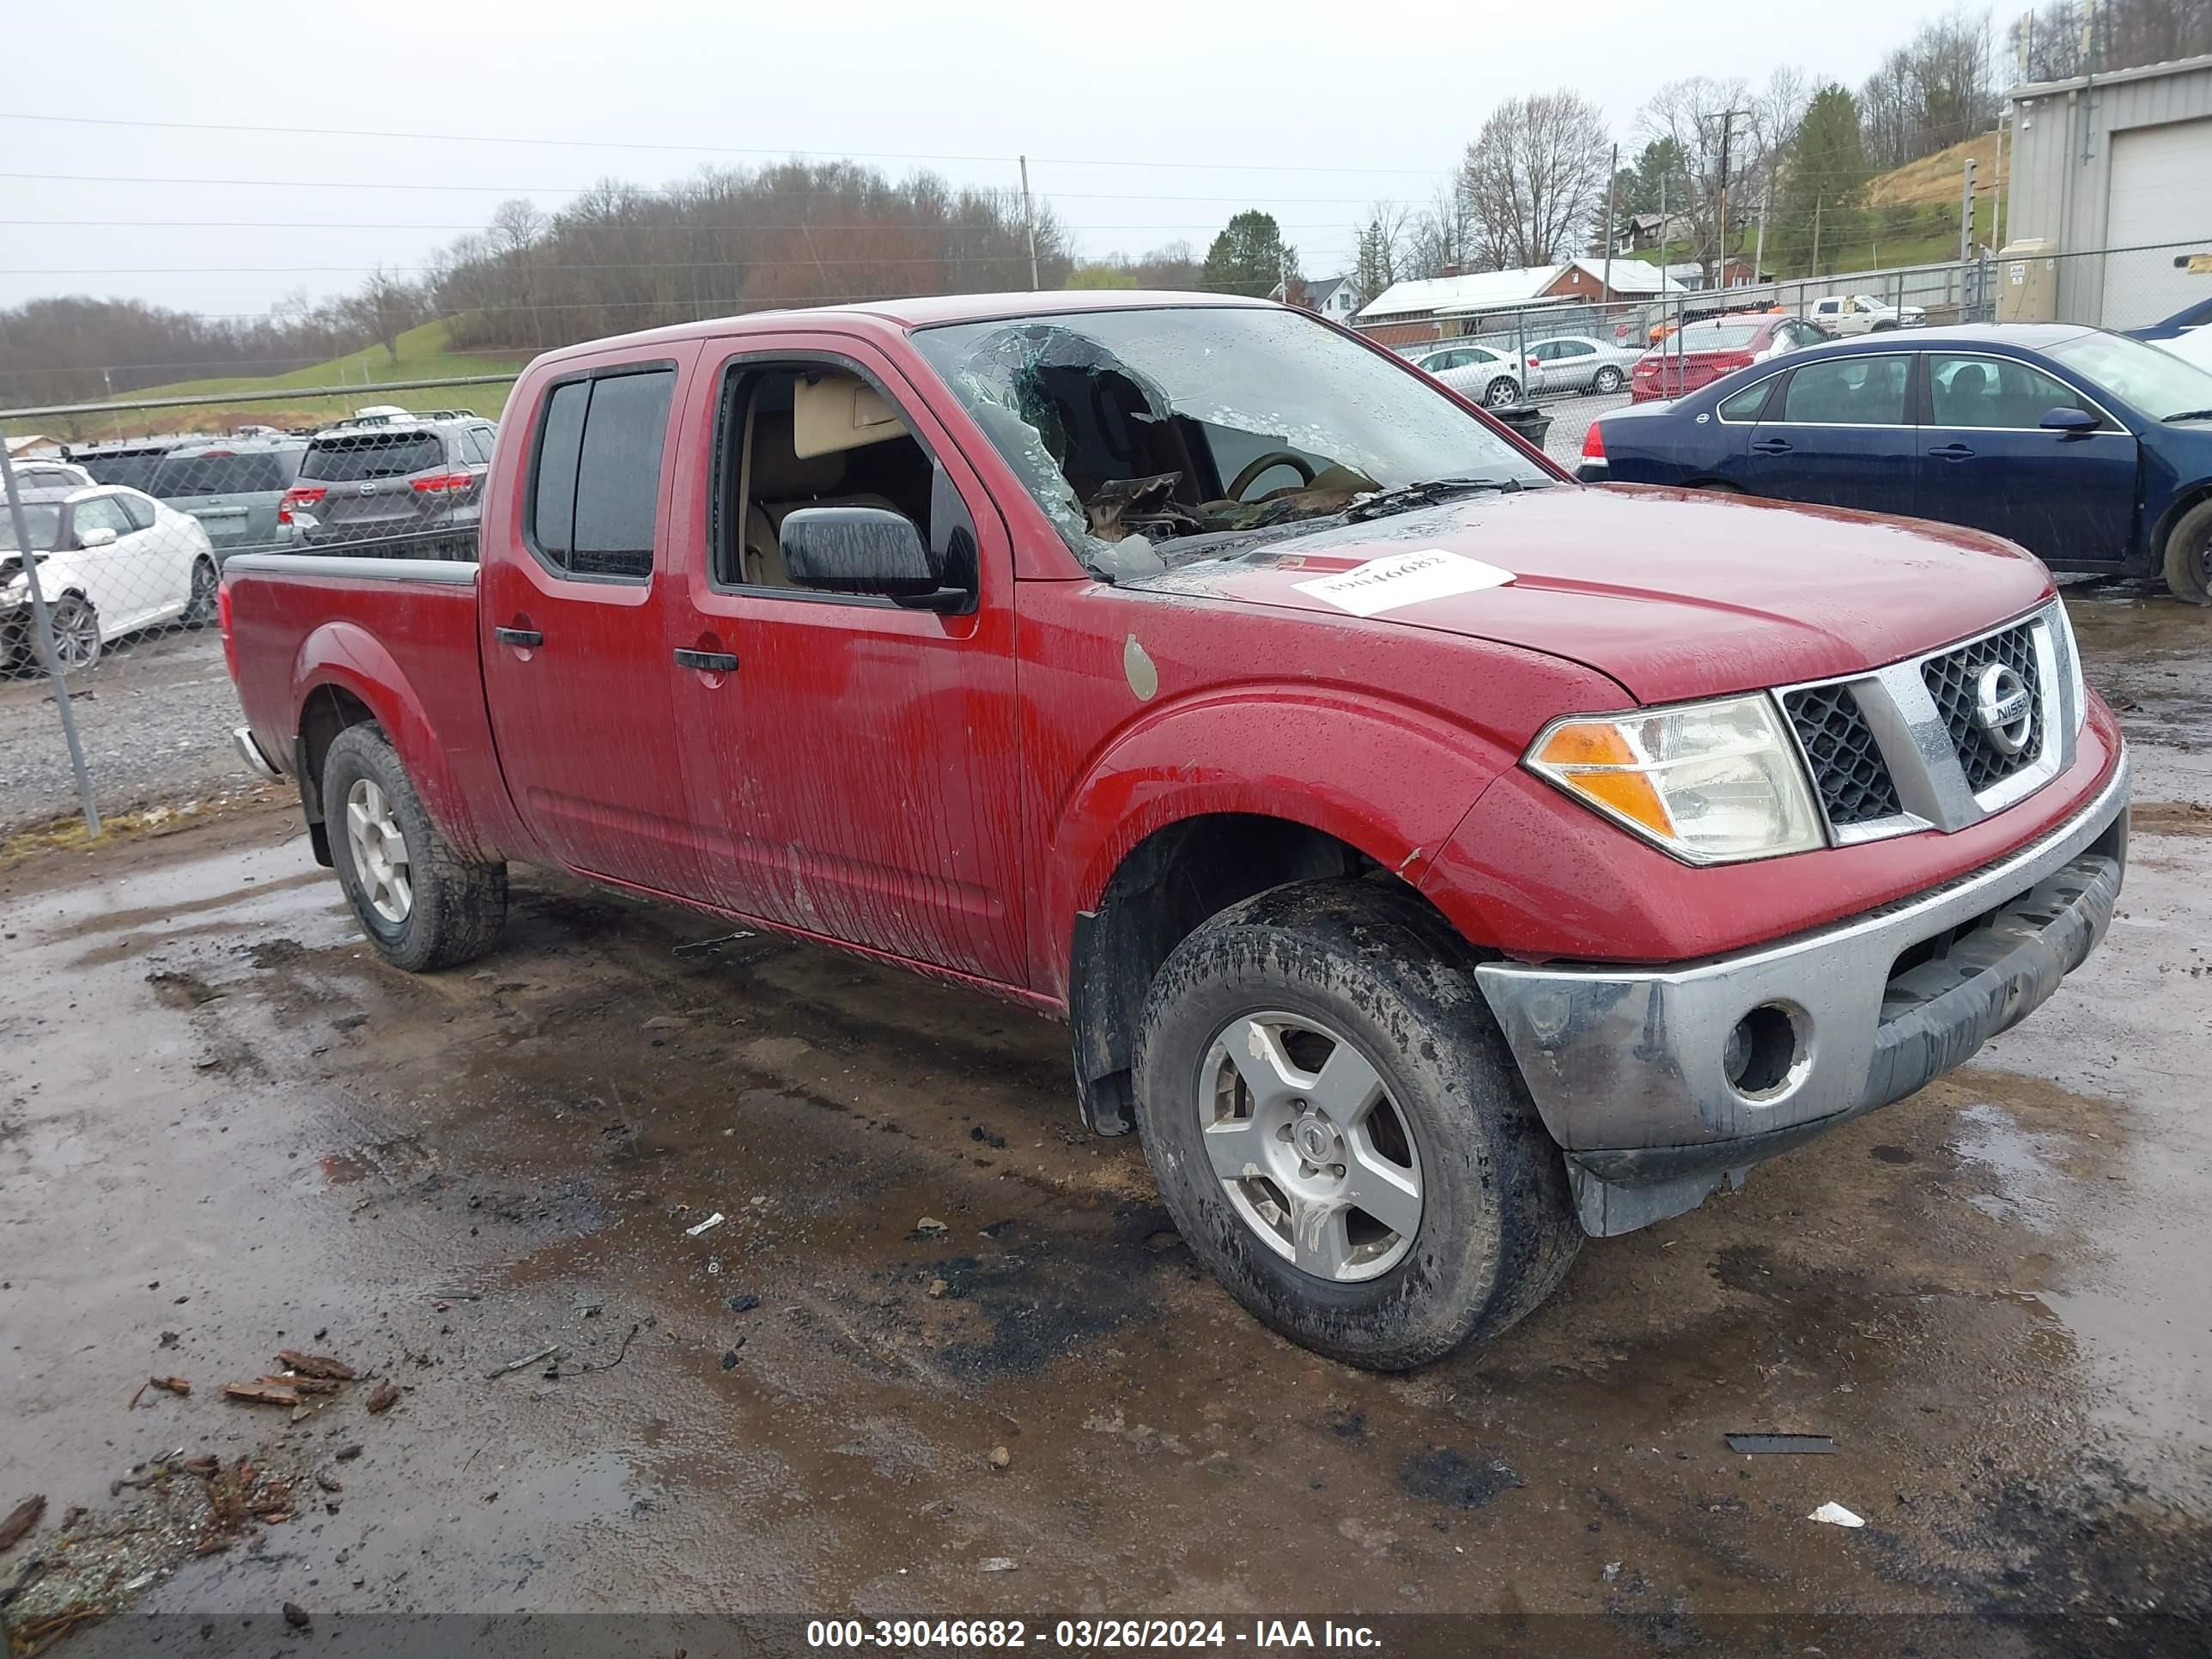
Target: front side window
x=100, y=513
x=595, y=486
x=43, y=522
x=1170, y=423
x=1993, y=391
x=1847, y=392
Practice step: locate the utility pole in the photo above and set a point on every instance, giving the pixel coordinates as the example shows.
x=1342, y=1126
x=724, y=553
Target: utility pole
x=1816, y=236
x=1721, y=230
x=1759, y=250
x=1611, y=206
x=1967, y=211
x=1029, y=223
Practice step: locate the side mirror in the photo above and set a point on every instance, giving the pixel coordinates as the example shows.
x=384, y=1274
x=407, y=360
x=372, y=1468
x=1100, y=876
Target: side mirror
x=102, y=537
x=858, y=550
x=2068, y=422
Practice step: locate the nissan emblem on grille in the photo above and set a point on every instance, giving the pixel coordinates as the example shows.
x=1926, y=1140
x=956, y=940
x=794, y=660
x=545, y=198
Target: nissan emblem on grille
x=2002, y=708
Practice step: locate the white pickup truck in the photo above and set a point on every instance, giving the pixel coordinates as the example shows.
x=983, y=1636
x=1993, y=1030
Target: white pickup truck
x=1861, y=313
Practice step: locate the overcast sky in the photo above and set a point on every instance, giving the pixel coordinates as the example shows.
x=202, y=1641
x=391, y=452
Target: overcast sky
x=1144, y=123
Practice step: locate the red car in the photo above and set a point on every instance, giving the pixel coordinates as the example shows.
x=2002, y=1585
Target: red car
x=1704, y=351
x=1437, y=860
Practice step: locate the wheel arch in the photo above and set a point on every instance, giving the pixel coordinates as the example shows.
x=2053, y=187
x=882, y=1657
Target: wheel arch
x=344, y=676
x=2186, y=501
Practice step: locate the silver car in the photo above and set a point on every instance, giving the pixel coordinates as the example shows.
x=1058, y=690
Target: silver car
x=1579, y=362
x=1481, y=372
x=233, y=487
x=369, y=480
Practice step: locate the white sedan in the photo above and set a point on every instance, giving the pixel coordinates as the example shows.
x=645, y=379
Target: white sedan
x=110, y=561
x=1487, y=376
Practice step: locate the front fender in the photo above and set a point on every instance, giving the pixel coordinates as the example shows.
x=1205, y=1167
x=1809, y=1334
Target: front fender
x=1390, y=779
x=346, y=655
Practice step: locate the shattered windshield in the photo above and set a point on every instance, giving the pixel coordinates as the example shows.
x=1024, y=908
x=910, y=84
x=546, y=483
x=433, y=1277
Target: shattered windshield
x=1134, y=427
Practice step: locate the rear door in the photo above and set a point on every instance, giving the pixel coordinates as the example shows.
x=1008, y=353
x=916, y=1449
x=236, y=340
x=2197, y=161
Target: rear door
x=571, y=595
x=1839, y=432
x=1985, y=460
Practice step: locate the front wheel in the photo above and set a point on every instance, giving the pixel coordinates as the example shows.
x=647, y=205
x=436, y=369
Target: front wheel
x=420, y=903
x=1608, y=381
x=76, y=624
x=2189, y=556
x=1501, y=392
x=1339, y=1132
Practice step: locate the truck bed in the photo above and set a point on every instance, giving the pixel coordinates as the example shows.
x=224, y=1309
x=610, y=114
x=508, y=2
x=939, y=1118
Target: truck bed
x=400, y=636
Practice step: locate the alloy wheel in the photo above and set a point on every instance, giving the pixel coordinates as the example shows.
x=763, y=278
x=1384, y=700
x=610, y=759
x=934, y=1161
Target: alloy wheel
x=1311, y=1152
x=380, y=851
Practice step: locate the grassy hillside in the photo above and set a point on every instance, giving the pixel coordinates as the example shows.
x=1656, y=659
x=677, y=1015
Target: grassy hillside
x=1934, y=180
x=424, y=354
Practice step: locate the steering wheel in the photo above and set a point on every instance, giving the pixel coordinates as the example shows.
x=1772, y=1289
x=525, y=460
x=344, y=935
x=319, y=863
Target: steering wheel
x=1258, y=466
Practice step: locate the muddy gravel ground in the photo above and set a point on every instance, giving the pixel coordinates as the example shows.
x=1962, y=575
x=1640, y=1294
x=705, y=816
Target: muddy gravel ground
x=227, y=1132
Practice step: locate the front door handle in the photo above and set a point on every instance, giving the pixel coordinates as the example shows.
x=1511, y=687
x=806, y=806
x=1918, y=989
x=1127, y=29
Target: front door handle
x=1771, y=446
x=712, y=662
x=524, y=637
x=1951, y=452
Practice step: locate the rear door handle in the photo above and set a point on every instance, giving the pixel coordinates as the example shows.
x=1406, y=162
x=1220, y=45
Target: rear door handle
x=1771, y=446
x=712, y=662
x=1951, y=452
x=519, y=637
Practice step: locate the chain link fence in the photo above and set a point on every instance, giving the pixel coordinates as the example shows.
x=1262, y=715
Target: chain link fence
x=111, y=547
x=113, y=685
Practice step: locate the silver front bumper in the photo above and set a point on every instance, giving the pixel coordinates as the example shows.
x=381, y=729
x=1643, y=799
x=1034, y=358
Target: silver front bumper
x=1631, y=1069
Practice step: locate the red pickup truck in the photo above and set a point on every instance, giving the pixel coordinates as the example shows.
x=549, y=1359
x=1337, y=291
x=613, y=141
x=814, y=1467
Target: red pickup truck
x=1435, y=860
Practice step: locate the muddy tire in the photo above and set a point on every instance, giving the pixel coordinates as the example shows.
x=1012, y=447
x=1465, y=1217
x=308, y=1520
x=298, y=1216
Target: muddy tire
x=420, y=903
x=2189, y=556
x=1319, y=970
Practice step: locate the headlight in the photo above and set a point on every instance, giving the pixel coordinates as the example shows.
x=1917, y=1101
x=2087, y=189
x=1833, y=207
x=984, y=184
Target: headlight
x=1710, y=782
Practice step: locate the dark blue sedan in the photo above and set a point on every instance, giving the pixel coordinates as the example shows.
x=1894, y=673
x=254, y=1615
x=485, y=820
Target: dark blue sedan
x=2091, y=450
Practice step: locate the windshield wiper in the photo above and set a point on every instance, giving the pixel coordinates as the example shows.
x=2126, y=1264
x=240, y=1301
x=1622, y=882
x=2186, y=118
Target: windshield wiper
x=1428, y=493
x=2192, y=414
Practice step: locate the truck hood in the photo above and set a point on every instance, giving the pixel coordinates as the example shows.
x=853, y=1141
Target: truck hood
x=1673, y=593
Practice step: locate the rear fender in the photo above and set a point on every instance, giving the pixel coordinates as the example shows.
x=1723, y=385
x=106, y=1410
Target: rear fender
x=346, y=655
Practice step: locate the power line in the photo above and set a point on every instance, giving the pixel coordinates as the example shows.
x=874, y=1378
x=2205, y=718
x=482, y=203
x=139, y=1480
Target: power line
x=672, y=191
x=698, y=149
x=628, y=230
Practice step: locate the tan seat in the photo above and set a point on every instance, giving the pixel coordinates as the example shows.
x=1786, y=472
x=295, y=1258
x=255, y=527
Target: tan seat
x=778, y=483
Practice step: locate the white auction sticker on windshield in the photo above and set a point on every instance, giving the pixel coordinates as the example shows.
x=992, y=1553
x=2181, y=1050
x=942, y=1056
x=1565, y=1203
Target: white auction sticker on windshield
x=1404, y=579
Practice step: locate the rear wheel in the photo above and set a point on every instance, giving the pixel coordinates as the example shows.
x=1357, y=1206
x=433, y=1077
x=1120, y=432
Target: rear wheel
x=1607, y=380
x=1339, y=1130
x=2189, y=556
x=1500, y=392
x=199, y=605
x=420, y=903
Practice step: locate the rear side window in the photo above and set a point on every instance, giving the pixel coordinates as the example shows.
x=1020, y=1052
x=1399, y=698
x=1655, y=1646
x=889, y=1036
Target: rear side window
x=1847, y=392
x=359, y=455
x=595, y=486
x=125, y=469
x=225, y=472
x=1747, y=406
x=136, y=508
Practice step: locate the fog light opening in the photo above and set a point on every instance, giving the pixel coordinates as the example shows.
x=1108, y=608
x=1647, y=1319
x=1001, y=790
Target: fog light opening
x=1764, y=1051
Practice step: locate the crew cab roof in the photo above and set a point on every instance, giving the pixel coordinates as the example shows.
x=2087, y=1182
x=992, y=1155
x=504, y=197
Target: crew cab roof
x=926, y=311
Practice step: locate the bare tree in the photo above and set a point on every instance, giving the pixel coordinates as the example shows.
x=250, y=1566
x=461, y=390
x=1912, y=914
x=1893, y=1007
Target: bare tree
x=1711, y=123
x=1379, y=249
x=1535, y=179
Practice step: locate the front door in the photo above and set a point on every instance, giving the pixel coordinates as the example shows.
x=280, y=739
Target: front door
x=1837, y=434
x=1985, y=460
x=571, y=600
x=853, y=763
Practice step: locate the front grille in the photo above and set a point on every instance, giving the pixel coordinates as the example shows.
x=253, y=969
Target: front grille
x=1951, y=679
x=1848, y=767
